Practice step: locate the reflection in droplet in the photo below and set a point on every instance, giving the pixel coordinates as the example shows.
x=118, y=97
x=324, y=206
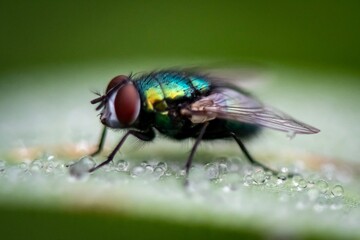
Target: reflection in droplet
x=181, y=174
x=144, y=163
x=282, y=176
x=212, y=171
x=322, y=186
x=272, y=181
x=259, y=176
x=337, y=191
x=296, y=179
x=162, y=165
x=50, y=166
x=138, y=171
x=81, y=167
x=302, y=183
x=248, y=180
x=36, y=165
x=121, y=165
x=149, y=169
x=159, y=171
x=24, y=165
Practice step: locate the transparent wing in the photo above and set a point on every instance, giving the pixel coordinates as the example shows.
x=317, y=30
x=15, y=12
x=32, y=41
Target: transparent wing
x=229, y=104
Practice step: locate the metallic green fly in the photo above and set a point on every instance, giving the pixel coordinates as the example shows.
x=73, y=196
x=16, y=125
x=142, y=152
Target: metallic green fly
x=183, y=104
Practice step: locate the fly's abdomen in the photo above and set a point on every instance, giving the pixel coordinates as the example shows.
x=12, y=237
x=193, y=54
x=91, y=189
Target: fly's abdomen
x=243, y=130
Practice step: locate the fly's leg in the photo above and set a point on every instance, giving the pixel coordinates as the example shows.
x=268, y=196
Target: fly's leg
x=145, y=136
x=101, y=143
x=193, y=150
x=249, y=157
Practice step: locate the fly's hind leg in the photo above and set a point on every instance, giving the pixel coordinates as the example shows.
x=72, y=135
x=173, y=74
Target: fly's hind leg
x=249, y=157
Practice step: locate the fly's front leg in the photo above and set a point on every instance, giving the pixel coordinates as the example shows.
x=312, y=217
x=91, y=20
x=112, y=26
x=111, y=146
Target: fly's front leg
x=101, y=143
x=147, y=135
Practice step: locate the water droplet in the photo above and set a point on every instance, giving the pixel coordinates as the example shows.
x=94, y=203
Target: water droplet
x=322, y=186
x=337, y=191
x=282, y=176
x=159, y=171
x=234, y=164
x=272, y=182
x=268, y=175
x=149, y=169
x=36, y=165
x=291, y=134
x=223, y=169
x=248, y=180
x=259, y=176
x=138, y=171
x=81, y=167
x=181, y=174
x=50, y=166
x=163, y=165
x=296, y=179
x=224, y=165
x=169, y=172
x=121, y=165
x=212, y=171
x=23, y=166
x=144, y=163
x=303, y=183
x=50, y=158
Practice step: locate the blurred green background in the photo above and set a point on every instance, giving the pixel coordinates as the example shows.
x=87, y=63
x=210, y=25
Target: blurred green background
x=53, y=52
x=320, y=33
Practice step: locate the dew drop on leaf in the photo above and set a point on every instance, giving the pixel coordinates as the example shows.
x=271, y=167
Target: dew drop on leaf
x=82, y=167
x=122, y=165
x=322, y=186
x=337, y=191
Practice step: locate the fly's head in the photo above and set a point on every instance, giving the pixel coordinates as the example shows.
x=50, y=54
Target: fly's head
x=120, y=105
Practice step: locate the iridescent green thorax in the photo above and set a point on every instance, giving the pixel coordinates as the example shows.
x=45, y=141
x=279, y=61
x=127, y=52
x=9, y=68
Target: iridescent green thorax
x=160, y=88
x=163, y=92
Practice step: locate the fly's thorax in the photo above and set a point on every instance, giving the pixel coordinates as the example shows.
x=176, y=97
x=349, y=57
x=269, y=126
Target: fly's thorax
x=164, y=89
x=122, y=107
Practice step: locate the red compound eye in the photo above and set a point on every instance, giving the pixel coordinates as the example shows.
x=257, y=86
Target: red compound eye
x=115, y=81
x=127, y=104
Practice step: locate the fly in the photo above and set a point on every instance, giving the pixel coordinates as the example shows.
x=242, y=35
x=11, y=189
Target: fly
x=185, y=104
